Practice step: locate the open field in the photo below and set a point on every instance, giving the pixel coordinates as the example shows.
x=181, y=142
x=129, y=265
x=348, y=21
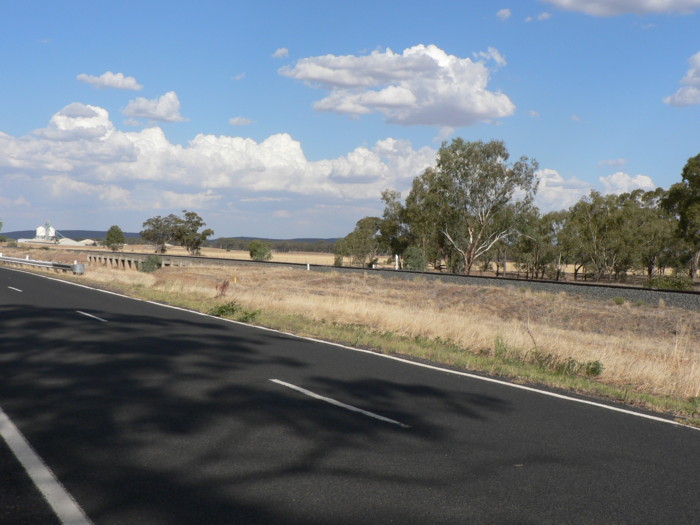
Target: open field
x=649, y=355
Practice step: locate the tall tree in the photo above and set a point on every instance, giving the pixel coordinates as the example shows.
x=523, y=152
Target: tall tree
x=159, y=231
x=362, y=244
x=114, y=239
x=186, y=232
x=649, y=227
x=593, y=232
x=424, y=212
x=684, y=201
x=483, y=189
x=393, y=230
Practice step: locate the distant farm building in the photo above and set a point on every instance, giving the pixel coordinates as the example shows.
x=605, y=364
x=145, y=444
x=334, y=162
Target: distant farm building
x=47, y=234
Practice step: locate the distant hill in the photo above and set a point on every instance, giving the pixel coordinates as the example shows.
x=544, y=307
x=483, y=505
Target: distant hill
x=300, y=239
x=76, y=235
x=241, y=243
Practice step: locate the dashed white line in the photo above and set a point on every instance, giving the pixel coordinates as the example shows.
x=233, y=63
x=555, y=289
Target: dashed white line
x=92, y=316
x=15, y=289
x=62, y=503
x=340, y=404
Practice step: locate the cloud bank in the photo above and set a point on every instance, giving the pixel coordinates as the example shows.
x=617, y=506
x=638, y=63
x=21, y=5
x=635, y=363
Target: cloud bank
x=423, y=85
x=80, y=153
x=80, y=162
x=622, y=7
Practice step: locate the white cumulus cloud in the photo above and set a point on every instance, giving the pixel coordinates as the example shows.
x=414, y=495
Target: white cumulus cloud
x=556, y=193
x=78, y=121
x=111, y=80
x=612, y=162
x=61, y=185
x=83, y=154
x=689, y=93
x=503, y=14
x=621, y=7
x=621, y=182
x=423, y=85
x=282, y=52
x=540, y=18
x=165, y=108
x=240, y=121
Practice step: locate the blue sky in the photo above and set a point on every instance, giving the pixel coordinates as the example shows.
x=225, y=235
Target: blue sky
x=287, y=119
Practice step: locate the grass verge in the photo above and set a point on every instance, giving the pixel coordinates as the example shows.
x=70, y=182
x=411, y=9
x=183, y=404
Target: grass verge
x=511, y=364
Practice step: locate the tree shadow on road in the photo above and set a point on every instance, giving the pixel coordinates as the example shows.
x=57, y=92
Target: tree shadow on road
x=174, y=419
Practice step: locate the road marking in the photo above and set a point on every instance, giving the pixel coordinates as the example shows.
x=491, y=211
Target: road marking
x=391, y=357
x=340, y=404
x=62, y=503
x=15, y=289
x=92, y=316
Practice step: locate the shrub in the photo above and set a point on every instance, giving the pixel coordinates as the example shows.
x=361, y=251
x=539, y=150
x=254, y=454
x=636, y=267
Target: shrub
x=413, y=259
x=260, y=250
x=564, y=366
x=151, y=264
x=666, y=282
x=235, y=311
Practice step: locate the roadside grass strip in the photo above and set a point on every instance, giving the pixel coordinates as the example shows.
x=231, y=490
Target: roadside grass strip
x=62, y=503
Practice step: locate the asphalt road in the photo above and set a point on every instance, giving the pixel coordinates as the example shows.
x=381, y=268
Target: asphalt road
x=153, y=415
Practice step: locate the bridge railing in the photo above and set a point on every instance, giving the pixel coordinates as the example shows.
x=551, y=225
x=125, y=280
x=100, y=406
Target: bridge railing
x=76, y=267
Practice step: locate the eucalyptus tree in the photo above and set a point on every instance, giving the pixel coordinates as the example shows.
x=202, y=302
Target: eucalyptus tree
x=159, y=231
x=683, y=201
x=535, y=246
x=480, y=193
x=592, y=233
x=394, y=233
x=114, y=239
x=186, y=232
x=649, y=228
x=362, y=244
x=424, y=213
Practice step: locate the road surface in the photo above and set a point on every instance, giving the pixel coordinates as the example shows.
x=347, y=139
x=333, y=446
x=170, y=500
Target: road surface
x=144, y=414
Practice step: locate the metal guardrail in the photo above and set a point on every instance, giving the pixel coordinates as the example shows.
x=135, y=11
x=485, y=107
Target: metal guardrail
x=76, y=267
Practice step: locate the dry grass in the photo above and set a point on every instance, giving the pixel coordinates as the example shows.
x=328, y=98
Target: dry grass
x=655, y=350
x=646, y=349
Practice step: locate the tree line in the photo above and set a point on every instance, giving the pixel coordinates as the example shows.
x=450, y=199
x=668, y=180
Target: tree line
x=189, y=232
x=162, y=231
x=475, y=209
x=280, y=246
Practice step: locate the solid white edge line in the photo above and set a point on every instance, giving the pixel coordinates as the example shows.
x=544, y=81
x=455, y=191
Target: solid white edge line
x=91, y=316
x=62, y=503
x=339, y=403
x=400, y=359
